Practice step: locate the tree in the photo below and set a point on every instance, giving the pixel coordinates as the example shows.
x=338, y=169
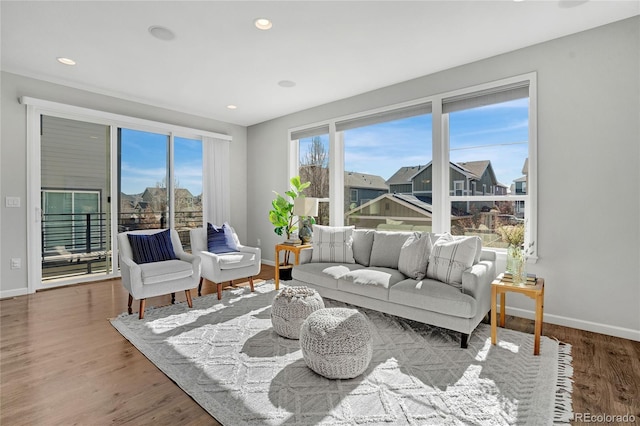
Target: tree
x=314, y=168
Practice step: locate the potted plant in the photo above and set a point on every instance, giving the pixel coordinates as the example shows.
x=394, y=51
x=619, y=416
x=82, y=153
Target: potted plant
x=282, y=217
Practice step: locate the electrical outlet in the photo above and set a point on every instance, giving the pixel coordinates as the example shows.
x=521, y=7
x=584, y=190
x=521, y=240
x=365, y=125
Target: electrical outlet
x=259, y=242
x=12, y=202
x=16, y=263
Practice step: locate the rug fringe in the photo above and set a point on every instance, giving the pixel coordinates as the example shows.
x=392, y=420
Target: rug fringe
x=563, y=411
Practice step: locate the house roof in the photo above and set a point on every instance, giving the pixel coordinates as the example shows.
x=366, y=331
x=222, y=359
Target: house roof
x=476, y=167
x=405, y=174
x=364, y=180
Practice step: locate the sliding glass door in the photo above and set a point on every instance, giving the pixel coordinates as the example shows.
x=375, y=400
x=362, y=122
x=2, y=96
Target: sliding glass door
x=75, y=210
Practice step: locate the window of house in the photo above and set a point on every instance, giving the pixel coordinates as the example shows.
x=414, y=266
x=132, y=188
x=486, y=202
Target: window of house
x=454, y=162
x=313, y=166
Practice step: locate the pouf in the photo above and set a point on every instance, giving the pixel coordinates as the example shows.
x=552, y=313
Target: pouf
x=336, y=342
x=291, y=307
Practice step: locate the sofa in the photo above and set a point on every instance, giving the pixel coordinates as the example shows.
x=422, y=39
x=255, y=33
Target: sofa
x=437, y=279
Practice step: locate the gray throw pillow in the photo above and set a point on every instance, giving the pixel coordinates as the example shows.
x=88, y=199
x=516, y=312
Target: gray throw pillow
x=414, y=256
x=362, y=244
x=332, y=244
x=450, y=257
x=386, y=248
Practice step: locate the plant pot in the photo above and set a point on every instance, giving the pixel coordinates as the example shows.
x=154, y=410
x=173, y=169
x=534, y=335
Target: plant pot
x=284, y=272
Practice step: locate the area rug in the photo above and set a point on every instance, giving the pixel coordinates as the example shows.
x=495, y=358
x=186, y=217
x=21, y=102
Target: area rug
x=226, y=356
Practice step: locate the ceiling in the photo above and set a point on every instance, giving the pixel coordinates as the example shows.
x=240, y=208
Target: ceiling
x=330, y=49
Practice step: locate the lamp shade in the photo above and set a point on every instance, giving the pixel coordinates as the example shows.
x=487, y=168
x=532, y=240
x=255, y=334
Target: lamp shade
x=305, y=206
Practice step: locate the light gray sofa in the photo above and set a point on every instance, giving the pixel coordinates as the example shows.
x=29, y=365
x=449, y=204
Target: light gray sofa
x=374, y=281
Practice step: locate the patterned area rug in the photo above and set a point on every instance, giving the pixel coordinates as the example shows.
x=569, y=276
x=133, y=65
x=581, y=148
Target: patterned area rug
x=227, y=357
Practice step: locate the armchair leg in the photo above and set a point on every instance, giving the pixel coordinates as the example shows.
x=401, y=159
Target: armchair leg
x=200, y=287
x=219, y=285
x=251, y=283
x=142, y=304
x=129, y=306
x=189, y=301
x=173, y=298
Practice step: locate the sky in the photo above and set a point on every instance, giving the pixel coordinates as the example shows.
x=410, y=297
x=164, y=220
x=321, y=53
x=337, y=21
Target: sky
x=144, y=162
x=498, y=133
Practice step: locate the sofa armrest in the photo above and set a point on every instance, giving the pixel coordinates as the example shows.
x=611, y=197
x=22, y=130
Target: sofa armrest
x=488, y=255
x=476, y=281
x=305, y=255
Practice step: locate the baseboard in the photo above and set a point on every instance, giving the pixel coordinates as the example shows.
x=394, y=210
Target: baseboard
x=610, y=330
x=7, y=294
x=269, y=262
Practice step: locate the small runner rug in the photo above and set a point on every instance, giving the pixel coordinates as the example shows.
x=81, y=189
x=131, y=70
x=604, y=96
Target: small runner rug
x=226, y=356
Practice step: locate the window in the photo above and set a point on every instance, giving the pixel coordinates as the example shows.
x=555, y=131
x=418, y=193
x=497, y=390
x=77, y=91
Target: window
x=457, y=162
x=313, y=161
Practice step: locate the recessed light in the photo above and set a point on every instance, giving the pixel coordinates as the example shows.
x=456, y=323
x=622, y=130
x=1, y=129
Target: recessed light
x=66, y=61
x=161, y=33
x=263, y=24
x=232, y=107
x=286, y=83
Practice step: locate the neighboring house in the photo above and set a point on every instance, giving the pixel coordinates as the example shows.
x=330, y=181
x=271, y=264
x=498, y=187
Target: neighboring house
x=392, y=212
x=468, y=178
x=520, y=188
x=360, y=188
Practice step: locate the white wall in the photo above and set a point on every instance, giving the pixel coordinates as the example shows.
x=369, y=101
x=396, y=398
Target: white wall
x=13, y=161
x=589, y=162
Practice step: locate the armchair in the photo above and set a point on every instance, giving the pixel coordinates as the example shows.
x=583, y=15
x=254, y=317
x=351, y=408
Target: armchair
x=156, y=278
x=220, y=267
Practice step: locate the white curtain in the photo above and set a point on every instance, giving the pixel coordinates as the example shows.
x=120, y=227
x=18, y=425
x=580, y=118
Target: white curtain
x=216, y=188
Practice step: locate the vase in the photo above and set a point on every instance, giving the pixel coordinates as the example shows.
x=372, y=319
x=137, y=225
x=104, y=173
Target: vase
x=516, y=264
x=305, y=232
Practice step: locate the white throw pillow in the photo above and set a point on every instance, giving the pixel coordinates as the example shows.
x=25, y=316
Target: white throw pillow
x=230, y=236
x=450, y=257
x=414, y=256
x=332, y=244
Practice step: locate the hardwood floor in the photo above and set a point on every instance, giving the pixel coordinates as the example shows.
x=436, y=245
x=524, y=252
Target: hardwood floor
x=62, y=363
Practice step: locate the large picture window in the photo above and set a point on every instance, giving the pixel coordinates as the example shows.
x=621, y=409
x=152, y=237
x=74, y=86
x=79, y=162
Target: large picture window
x=459, y=162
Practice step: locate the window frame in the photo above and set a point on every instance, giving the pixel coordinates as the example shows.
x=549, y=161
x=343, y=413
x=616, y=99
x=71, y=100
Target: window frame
x=440, y=157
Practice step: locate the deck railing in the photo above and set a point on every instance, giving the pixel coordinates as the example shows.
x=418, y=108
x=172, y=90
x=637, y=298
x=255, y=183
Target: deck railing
x=77, y=243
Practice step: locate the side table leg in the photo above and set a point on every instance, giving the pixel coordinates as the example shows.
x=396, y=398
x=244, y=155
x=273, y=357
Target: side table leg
x=277, y=277
x=494, y=316
x=503, y=308
x=538, y=326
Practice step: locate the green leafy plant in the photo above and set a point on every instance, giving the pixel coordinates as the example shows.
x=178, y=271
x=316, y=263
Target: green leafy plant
x=281, y=215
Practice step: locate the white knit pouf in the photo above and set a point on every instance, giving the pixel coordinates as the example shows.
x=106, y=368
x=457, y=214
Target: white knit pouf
x=291, y=307
x=336, y=342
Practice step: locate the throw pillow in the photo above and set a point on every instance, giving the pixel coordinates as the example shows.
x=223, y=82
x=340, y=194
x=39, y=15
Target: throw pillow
x=414, y=256
x=450, y=257
x=386, y=248
x=216, y=240
x=362, y=243
x=152, y=247
x=332, y=244
x=231, y=237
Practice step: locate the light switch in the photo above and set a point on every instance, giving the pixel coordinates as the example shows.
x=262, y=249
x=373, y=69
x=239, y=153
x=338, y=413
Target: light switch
x=12, y=201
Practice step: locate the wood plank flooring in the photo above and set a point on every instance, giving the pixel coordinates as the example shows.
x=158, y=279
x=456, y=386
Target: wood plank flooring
x=62, y=363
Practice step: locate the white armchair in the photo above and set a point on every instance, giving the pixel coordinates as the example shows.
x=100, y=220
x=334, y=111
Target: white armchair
x=157, y=278
x=218, y=268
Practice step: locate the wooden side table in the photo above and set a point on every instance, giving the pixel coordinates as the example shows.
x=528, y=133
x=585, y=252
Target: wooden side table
x=287, y=247
x=536, y=292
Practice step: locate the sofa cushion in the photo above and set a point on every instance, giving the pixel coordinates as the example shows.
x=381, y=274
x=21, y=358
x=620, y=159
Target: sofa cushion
x=433, y=296
x=450, y=257
x=216, y=240
x=146, y=248
x=414, y=256
x=371, y=282
x=235, y=260
x=322, y=274
x=168, y=270
x=362, y=243
x=386, y=248
x=332, y=244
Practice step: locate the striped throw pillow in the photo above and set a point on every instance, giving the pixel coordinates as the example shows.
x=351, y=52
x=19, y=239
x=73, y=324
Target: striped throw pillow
x=217, y=240
x=333, y=244
x=151, y=248
x=450, y=257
